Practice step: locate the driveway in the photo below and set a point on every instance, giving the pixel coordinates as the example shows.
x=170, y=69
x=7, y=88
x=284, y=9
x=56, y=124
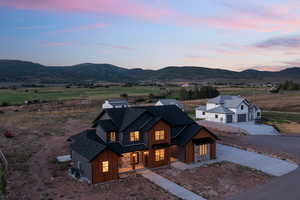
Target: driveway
x=255, y=129
x=284, y=187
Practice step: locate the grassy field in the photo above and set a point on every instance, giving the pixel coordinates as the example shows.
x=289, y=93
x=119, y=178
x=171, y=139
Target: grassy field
x=60, y=93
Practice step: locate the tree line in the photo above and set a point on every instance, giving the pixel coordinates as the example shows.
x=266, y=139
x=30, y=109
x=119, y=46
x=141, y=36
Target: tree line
x=198, y=93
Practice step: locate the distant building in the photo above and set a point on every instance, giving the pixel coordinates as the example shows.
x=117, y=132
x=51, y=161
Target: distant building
x=164, y=102
x=228, y=109
x=115, y=103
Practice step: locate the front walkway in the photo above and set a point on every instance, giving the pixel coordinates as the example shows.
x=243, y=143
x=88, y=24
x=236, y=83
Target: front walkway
x=170, y=186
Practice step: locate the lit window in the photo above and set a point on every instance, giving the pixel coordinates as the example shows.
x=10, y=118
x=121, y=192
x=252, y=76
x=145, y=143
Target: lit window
x=134, y=136
x=112, y=136
x=203, y=149
x=160, y=135
x=159, y=155
x=105, y=166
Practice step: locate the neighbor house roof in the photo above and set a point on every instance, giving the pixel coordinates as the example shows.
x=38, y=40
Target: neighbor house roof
x=220, y=109
x=117, y=102
x=170, y=102
x=202, y=108
x=227, y=100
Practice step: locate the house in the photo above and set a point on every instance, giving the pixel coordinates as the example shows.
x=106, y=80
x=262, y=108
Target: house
x=228, y=109
x=115, y=103
x=126, y=139
x=163, y=102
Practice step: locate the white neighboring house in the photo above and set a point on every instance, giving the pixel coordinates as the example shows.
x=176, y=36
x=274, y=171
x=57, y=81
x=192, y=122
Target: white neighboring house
x=115, y=103
x=163, y=102
x=228, y=109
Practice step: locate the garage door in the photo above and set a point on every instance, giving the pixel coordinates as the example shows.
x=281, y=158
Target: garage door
x=228, y=118
x=242, y=117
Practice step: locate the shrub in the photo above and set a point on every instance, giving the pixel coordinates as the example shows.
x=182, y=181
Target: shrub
x=5, y=104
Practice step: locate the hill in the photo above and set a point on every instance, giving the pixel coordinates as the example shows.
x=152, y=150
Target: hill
x=23, y=71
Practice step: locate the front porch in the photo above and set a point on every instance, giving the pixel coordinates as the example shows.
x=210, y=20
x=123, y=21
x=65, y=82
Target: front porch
x=133, y=161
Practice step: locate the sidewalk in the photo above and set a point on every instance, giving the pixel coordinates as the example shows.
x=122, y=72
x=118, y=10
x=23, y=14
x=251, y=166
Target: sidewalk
x=170, y=186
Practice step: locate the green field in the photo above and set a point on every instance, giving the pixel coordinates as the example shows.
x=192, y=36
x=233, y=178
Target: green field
x=18, y=96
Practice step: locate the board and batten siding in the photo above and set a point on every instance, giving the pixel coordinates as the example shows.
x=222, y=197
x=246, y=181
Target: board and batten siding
x=96, y=165
x=85, y=170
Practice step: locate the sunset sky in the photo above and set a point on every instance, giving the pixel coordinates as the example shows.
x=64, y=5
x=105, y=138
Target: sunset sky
x=152, y=34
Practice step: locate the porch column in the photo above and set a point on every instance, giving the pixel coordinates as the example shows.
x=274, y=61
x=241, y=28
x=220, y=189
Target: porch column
x=213, y=150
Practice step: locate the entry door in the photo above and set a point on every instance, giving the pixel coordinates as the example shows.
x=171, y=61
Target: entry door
x=202, y=152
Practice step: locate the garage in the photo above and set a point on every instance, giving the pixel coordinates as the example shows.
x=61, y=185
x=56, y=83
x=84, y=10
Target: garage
x=242, y=118
x=228, y=118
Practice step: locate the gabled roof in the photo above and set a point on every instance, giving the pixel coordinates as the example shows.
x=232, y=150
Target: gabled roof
x=117, y=102
x=202, y=108
x=228, y=101
x=170, y=102
x=220, y=109
x=108, y=125
x=89, y=145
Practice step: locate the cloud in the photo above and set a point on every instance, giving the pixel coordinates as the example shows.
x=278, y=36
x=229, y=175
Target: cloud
x=292, y=63
x=80, y=28
x=280, y=42
x=121, y=47
x=56, y=44
x=133, y=8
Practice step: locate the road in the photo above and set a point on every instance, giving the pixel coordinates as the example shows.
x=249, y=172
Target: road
x=280, y=188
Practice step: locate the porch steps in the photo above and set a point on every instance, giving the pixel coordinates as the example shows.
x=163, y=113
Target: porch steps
x=170, y=186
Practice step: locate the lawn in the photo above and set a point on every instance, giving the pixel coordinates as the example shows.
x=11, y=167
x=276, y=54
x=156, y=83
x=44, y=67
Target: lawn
x=18, y=96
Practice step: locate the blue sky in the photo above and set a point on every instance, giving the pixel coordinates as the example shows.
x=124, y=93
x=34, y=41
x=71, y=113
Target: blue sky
x=152, y=34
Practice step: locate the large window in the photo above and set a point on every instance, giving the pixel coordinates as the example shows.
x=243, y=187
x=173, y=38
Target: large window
x=160, y=135
x=105, y=166
x=134, y=136
x=203, y=150
x=112, y=136
x=159, y=155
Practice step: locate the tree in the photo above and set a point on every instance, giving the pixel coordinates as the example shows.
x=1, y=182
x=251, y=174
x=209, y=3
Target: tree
x=124, y=95
x=183, y=94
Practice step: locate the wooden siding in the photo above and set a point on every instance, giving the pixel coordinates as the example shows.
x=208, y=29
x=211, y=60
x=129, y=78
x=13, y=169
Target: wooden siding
x=113, y=173
x=160, y=125
x=189, y=147
x=151, y=158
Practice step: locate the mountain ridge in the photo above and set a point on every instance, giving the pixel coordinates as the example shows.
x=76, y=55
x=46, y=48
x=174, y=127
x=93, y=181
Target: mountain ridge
x=26, y=71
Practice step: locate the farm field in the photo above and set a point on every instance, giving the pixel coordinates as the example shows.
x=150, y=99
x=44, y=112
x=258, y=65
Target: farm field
x=19, y=96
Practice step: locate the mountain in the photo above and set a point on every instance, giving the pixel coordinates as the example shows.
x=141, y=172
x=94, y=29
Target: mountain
x=23, y=71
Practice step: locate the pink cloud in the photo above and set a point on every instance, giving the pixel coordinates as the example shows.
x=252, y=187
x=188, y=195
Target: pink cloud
x=132, y=8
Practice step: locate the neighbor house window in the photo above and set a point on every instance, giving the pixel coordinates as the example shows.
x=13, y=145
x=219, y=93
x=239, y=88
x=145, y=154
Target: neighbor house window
x=160, y=135
x=203, y=149
x=203, y=113
x=258, y=114
x=105, y=166
x=159, y=155
x=134, y=136
x=112, y=136
x=216, y=116
x=242, y=107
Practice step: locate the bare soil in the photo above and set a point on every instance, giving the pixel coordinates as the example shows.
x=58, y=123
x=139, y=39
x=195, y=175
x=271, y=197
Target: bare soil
x=292, y=128
x=216, y=181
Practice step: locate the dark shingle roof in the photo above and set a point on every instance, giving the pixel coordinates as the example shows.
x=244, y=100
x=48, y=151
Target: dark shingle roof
x=107, y=125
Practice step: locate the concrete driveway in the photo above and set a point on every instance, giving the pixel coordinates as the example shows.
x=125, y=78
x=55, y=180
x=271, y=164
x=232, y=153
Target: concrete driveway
x=255, y=129
x=280, y=188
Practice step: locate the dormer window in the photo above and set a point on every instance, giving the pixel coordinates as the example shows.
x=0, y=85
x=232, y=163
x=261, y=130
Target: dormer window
x=134, y=136
x=159, y=135
x=112, y=136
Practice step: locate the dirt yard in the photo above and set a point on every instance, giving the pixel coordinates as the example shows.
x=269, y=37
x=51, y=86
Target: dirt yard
x=291, y=128
x=40, y=134
x=216, y=181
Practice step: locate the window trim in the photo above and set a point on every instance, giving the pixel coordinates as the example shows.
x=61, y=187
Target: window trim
x=159, y=155
x=159, y=135
x=134, y=136
x=105, y=166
